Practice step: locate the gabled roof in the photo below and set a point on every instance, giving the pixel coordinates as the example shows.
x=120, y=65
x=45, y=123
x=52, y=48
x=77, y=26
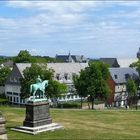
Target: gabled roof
x=57, y=67
x=71, y=58
x=8, y=63
x=120, y=75
x=112, y=62
x=22, y=66
x=64, y=58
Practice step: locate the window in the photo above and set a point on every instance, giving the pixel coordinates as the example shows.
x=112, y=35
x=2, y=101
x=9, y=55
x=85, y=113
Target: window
x=15, y=79
x=11, y=79
x=17, y=99
x=58, y=76
x=15, y=93
x=116, y=76
x=9, y=93
x=66, y=76
x=11, y=98
x=127, y=76
x=14, y=99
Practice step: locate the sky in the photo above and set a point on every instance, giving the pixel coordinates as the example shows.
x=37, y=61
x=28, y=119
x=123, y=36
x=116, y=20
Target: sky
x=94, y=29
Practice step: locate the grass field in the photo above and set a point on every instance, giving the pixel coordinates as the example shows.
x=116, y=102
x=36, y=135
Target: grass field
x=80, y=124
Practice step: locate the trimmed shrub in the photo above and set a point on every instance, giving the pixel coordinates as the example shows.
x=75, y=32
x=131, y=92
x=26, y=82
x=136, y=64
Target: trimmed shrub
x=69, y=105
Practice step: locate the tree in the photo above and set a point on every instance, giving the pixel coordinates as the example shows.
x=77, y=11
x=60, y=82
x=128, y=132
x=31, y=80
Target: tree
x=92, y=81
x=55, y=89
x=30, y=75
x=132, y=92
x=4, y=72
x=80, y=85
x=23, y=57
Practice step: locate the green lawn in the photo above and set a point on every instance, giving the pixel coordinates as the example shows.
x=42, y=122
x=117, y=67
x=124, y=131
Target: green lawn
x=80, y=124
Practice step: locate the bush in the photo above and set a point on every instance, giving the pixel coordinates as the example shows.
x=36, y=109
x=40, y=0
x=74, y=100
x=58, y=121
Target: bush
x=69, y=105
x=3, y=101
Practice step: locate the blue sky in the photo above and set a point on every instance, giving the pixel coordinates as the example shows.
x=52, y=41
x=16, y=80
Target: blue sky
x=91, y=28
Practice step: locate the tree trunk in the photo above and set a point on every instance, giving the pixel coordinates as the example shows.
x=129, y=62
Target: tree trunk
x=81, y=102
x=136, y=102
x=88, y=105
x=92, y=99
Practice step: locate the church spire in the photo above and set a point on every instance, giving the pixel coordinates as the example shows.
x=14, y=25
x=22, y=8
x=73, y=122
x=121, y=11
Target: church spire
x=138, y=53
x=69, y=57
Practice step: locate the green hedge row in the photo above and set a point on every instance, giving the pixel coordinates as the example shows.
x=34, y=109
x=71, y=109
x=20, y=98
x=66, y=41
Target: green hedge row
x=68, y=105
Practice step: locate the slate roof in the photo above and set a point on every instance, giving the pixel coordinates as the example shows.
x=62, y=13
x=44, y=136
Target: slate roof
x=112, y=62
x=120, y=75
x=71, y=58
x=64, y=58
x=57, y=67
x=8, y=63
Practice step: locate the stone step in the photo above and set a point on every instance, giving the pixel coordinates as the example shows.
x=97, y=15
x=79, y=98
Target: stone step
x=36, y=130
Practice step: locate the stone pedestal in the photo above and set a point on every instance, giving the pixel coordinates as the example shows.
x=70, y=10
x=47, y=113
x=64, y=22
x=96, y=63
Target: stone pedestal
x=37, y=114
x=37, y=118
x=3, y=134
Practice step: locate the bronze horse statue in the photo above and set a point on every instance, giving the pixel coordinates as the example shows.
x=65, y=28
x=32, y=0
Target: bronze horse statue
x=38, y=87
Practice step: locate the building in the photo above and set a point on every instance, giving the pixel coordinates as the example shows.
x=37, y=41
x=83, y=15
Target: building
x=117, y=84
x=71, y=58
x=126, y=62
x=112, y=62
x=138, y=53
x=63, y=73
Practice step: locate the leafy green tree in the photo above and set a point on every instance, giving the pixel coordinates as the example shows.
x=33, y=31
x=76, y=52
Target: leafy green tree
x=30, y=75
x=23, y=57
x=80, y=85
x=55, y=89
x=4, y=72
x=92, y=81
x=132, y=92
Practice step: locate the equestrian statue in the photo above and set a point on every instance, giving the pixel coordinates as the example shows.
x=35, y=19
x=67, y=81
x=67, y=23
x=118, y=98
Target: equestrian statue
x=37, y=90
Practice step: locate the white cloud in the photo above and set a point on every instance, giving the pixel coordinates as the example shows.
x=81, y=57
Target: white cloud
x=54, y=6
x=68, y=22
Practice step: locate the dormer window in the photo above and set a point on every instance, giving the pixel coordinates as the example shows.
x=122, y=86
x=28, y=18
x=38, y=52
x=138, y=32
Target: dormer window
x=116, y=76
x=58, y=76
x=11, y=79
x=66, y=76
x=127, y=76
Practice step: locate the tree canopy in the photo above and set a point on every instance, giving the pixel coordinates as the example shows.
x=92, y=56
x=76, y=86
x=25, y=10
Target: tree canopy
x=92, y=81
x=132, y=91
x=30, y=75
x=4, y=72
x=23, y=57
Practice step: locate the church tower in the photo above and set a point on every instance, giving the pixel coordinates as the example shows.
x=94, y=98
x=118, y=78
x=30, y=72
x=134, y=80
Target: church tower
x=138, y=53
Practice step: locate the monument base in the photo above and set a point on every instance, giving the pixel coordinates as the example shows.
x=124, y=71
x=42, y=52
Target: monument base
x=37, y=118
x=37, y=114
x=39, y=129
x=3, y=134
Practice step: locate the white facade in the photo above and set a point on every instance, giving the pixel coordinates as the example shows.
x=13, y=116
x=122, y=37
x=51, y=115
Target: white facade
x=12, y=92
x=63, y=72
x=68, y=97
x=120, y=95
